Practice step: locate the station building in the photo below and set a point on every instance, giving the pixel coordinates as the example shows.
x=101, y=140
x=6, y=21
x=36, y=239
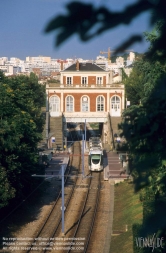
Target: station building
x=86, y=92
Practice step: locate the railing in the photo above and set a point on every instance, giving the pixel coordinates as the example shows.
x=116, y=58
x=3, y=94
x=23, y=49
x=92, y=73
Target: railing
x=111, y=130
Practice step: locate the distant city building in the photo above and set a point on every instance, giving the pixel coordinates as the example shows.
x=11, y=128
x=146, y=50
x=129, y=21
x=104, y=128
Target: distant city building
x=37, y=71
x=128, y=69
x=101, y=58
x=14, y=61
x=45, y=66
x=3, y=60
x=131, y=56
x=120, y=61
x=39, y=59
x=10, y=70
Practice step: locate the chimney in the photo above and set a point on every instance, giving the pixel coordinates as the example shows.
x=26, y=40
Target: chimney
x=61, y=65
x=77, y=65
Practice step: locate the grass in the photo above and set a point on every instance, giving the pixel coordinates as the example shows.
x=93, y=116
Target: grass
x=127, y=211
x=95, y=126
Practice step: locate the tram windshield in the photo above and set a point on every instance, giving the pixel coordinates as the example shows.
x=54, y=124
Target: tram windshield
x=95, y=159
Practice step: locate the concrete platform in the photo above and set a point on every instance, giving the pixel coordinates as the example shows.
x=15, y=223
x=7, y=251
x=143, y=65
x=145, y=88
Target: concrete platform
x=113, y=169
x=55, y=164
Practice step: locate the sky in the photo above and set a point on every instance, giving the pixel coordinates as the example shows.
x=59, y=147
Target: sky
x=22, y=24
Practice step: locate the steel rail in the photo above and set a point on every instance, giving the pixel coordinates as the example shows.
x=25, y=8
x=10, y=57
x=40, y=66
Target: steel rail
x=82, y=214
x=54, y=207
x=66, y=205
x=94, y=216
x=45, y=222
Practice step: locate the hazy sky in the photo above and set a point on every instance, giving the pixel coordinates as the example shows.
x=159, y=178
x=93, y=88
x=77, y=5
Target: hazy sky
x=22, y=23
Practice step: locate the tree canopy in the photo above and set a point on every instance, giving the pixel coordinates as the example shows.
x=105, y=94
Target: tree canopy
x=142, y=79
x=21, y=125
x=144, y=128
x=81, y=18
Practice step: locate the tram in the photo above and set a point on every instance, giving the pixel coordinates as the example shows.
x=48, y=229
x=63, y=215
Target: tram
x=95, y=158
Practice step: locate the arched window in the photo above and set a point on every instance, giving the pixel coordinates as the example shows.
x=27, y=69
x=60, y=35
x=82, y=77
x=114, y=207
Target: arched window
x=69, y=104
x=54, y=104
x=100, y=104
x=85, y=104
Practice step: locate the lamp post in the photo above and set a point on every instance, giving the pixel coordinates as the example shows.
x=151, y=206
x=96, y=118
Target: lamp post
x=83, y=155
x=63, y=207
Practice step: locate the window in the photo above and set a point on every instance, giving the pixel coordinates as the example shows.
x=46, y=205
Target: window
x=69, y=104
x=85, y=104
x=115, y=100
x=68, y=80
x=99, y=80
x=54, y=104
x=84, y=80
x=100, y=104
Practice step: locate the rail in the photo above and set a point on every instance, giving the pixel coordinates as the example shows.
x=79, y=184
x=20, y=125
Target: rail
x=87, y=216
x=111, y=130
x=48, y=229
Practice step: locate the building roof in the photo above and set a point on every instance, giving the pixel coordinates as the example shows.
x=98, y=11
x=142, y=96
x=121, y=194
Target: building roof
x=87, y=66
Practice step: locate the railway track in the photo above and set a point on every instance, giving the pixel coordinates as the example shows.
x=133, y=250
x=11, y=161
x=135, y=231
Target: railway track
x=53, y=221
x=86, y=220
x=86, y=208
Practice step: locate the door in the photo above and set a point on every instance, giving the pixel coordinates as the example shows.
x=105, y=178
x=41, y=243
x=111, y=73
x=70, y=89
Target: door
x=54, y=106
x=115, y=106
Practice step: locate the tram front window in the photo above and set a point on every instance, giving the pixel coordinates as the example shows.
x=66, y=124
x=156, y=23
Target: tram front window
x=95, y=159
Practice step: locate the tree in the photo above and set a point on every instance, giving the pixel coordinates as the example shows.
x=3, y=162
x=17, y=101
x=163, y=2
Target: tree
x=21, y=125
x=144, y=129
x=81, y=18
x=142, y=79
x=134, y=86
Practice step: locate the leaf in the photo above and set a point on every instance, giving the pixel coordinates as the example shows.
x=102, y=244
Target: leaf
x=82, y=17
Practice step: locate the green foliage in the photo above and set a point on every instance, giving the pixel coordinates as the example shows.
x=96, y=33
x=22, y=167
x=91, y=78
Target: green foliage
x=33, y=77
x=142, y=80
x=145, y=132
x=21, y=125
x=5, y=188
x=88, y=22
x=2, y=77
x=136, y=233
x=144, y=128
x=53, y=81
x=81, y=18
x=124, y=76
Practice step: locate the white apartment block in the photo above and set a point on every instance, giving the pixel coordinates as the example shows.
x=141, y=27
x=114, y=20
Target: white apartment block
x=114, y=66
x=10, y=70
x=3, y=60
x=4, y=68
x=131, y=56
x=15, y=61
x=120, y=61
x=39, y=59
